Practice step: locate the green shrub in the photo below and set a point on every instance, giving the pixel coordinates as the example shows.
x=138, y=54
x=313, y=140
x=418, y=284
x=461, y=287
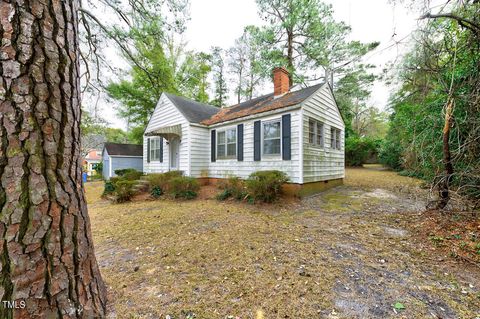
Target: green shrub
x=223, y=195
x=98, y=167
x=121, y=172
x=124, y=190
x=183, y=187
x=266, y=186
x=391, y=154
x=132, y=175
x=156, y=192
x=109, y=188
x=358, y=150
x=232, y=187
x=162, y=180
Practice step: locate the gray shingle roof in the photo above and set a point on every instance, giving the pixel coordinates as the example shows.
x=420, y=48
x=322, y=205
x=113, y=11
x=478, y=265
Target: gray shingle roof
x=195, y=112
x=124, y=149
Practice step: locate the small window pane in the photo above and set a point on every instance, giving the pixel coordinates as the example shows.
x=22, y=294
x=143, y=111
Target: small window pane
x=311, y=131
x=319, y=134
x=271, y=130
x=332, y=138
x=221, y=137
x=231, y=136
x=231, y=149
x=271, y=146
x=221, y=151
x=338, y=140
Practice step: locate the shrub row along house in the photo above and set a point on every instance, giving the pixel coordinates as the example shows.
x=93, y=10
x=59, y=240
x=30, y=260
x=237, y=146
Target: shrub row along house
x=299, y=132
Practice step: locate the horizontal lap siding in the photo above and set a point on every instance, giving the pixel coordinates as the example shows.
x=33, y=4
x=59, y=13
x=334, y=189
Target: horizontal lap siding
x=126, y=162
x=242, y=169
x=166, y=114
x=199, y=151
x=325, y=163
x=106, y=165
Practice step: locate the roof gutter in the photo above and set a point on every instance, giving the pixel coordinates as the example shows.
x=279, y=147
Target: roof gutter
x=199, y=125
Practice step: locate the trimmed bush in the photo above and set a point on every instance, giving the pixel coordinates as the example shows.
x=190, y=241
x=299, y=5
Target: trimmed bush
x=121, y=172
x=109, y=188
x=156, y=192
x=183, y=187
x=132, y=175
x=124, y=191
x=266, y=186
x=232, y=187
x=162, y=180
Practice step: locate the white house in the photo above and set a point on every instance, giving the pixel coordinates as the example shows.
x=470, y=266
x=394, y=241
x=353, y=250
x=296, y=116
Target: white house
x=299, y=132
x=121, y=156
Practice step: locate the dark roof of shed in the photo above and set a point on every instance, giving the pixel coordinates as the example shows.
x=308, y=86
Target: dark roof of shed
x=124, y=149
x=195, y=112
x=261, y=104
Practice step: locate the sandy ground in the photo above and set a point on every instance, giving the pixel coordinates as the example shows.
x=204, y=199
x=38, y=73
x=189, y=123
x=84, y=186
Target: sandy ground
x=350, y=252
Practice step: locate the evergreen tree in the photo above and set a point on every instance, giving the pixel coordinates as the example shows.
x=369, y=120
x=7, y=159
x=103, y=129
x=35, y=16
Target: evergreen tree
x=219, y=77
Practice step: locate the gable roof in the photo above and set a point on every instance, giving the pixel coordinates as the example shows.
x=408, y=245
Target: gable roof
x=261, y=104
x=115, y=149
x=193, y=111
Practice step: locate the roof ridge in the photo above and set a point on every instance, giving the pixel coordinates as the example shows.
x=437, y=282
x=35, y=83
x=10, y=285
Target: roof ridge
x=190, y=100
x=122, y=143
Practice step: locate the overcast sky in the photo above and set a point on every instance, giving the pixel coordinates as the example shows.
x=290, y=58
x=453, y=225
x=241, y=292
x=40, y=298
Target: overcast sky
x=220, y=22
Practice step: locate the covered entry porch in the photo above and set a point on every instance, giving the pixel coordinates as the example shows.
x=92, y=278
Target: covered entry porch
x=163, y=145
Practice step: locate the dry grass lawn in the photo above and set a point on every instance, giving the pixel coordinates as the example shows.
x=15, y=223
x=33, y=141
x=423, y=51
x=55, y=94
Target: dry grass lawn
x=347, y=253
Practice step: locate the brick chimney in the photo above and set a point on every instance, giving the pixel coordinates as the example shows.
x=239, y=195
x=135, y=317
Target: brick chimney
x=281, y=82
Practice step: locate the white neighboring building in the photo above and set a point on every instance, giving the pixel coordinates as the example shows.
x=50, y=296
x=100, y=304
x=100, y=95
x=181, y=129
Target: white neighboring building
x=300, y=132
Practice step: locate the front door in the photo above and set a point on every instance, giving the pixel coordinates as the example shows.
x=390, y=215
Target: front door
x=174, y=152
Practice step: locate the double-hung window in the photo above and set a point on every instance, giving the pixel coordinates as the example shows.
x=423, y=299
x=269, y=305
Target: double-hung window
x=272, y=137
x=315, y=132
x=155, y=149
x=335, y=138
x=227, y=143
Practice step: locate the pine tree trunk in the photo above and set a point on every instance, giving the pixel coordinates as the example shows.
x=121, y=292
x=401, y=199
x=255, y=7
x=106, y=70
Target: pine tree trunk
x=47, y=259
x=290, y=56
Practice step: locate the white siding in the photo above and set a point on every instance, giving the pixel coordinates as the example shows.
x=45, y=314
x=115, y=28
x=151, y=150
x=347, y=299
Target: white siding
x=322, y=163
x=224, y=168
x=106, y=165
x=199, y=151
x=166, y=114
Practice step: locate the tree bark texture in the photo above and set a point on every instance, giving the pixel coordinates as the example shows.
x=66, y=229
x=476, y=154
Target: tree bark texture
x=46, y=251
x=444, y=192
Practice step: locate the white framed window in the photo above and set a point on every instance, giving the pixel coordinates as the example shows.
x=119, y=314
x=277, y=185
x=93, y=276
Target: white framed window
x=335, y=138
x=315, y=132
x=227, y=143
x=155, y=149
x=272, y=137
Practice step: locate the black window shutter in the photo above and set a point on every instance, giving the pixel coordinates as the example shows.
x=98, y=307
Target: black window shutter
x=213, y=144
x=286, y=137
x=148, y=150
x=256, y=141
x=161, y=150
x=240, y=142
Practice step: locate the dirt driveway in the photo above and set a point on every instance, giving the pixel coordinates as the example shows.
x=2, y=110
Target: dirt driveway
x=350, y=252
